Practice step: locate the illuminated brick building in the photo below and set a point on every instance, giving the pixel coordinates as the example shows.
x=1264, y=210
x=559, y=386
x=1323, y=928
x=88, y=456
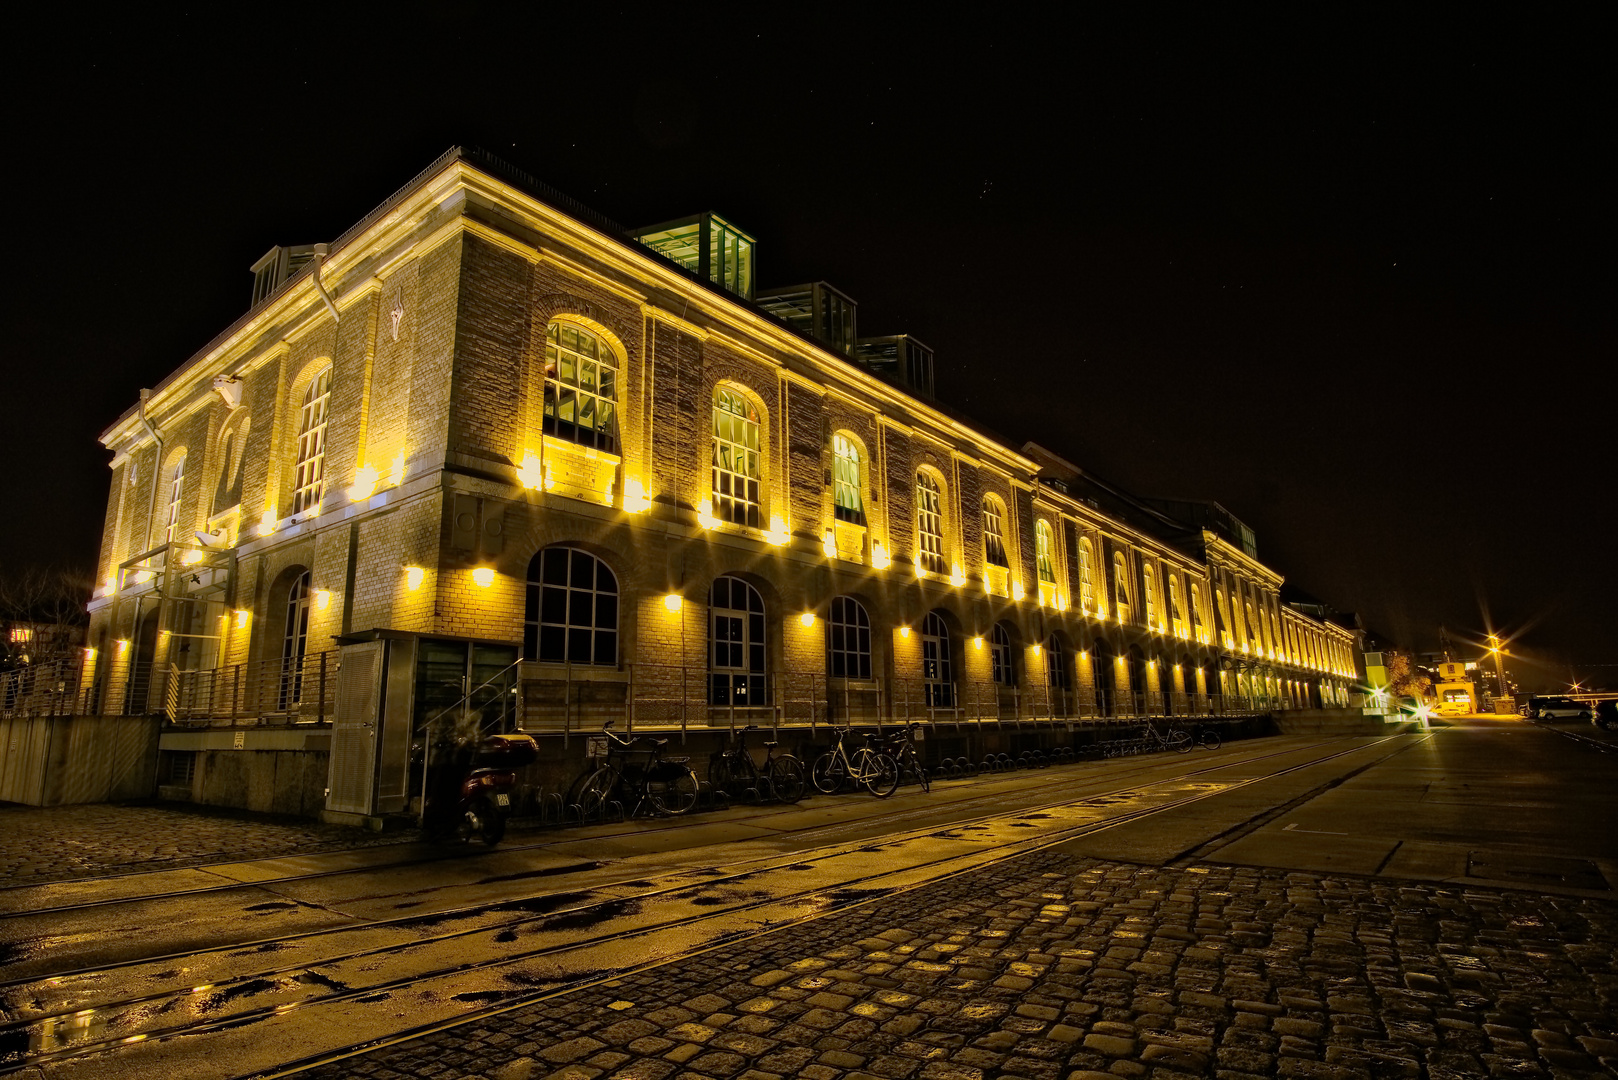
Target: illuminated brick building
x=488, y=423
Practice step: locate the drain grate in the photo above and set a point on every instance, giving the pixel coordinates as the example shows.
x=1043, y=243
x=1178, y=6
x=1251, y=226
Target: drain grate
x=1540, y=869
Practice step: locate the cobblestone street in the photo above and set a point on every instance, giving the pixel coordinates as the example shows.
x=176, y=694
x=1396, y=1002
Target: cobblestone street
x=40, y=844
x=1060, y=966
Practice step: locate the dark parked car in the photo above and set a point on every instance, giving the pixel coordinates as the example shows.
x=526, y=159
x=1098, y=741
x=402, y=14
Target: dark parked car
x=1607, y=715
x=1559, y=708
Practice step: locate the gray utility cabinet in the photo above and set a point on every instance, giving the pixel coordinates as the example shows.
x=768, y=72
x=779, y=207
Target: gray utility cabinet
x=370, y=739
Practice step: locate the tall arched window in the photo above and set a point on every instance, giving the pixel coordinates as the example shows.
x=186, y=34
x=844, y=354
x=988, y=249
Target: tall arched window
x=1044, y=552
x=1149, y=588
x=845, y=475
x=736, y=454
x=1222, y=614
x=572, y=609
x=1177, y=603
x=294, y=643
x=1253, y=628
x=176, y=489
x=736, y=624
x=848, y=639
x=1120, y=585
x=994, y=534
x=930, y=525
x=1000, y=656
x=311, y=468
x=581, y=387
x=937, y=682
x=1058, y=671
x=1087, y=581
x=1200, y=611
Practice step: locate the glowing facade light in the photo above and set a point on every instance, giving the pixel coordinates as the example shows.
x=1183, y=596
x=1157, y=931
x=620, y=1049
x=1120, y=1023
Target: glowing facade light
x=398, y=474
x=266, y=522
x=674, y=602
x=880, y=559
x=635, y=500
x=242, y=615
x=322, y=599
x=977, y=642
x=807, y=619
x=957, y=576
x=706, y=519
x=1016, y=592
x=484, y=576
x=917, y=561
x=414, y=575
x=190, y=558
x=904, y=631
x=777, y=536
x=364, y=483
x=531, y=473
x=828, y=544
x=123, y=644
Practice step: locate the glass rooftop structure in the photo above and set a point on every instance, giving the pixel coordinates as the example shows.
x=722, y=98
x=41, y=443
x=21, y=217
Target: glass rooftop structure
x=708, y=246
x=817, y=310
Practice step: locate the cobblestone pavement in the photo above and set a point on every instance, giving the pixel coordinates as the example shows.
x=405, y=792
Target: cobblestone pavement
x=1057, y=967
x=42, y=844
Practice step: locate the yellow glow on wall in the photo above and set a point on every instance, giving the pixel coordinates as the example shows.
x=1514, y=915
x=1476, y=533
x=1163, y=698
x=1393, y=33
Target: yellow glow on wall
x=398, y=474
x=413, y=577
x=484, y=576
x=89, y=651
x=266, y=522
x=977, y=642
x=531, y=474
x=242, y=615
x=807, y=619
x=706, y=519
x=778, y=532
x=1016, y=591
x=123, y=643
x=674, y=602
x=917, y=561
x=828, y=544
x=1035, y=648
x=635, y=500
x=880, y=559
x=322, y=599
x=190, y=558
x=365, y=479
x=904, y=631
x=957, y=576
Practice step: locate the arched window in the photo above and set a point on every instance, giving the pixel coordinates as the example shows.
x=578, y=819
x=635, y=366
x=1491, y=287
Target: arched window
x=311, y=468
x=1120, y=585
x=294, y=643
x=1220, y=613
x=930, y=525
x=1149, y=588
x=1199, y=609
x=572, y=609
x=1087, y=581
x=1000, y=656
x=937, y=682
x=1177, y=601
x=845, y=473
x=232, y=455
x=1253, y=628
x=736, y=443
x=1044, y=552
x=736, y=622
x=994, y=534
x=1057, y=669
x=176, y=489
x=848, y=639
x=581, y=387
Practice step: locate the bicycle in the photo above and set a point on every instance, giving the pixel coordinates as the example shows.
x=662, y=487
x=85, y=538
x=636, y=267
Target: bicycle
x=1147, y=738
x=876, y=771
x=1207, y=738
x=667, y=784
x=901, y=747
x=734, y=772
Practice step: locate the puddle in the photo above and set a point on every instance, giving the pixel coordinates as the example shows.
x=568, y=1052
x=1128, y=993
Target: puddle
x=274, y=905
x=571, y=868
x=314, y=978
x=595, y=916
x=485, y=995
x=506, y=936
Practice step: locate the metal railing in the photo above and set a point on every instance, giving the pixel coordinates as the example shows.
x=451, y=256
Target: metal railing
x=301, y=691
x=578, y=700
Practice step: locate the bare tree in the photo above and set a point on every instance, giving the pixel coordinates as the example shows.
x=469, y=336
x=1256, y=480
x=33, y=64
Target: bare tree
x=42, y=613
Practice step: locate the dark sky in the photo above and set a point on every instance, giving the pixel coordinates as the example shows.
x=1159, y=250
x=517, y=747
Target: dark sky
x=1351, y=278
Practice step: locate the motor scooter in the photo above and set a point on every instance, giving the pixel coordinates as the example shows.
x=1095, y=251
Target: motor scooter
x=473, y=795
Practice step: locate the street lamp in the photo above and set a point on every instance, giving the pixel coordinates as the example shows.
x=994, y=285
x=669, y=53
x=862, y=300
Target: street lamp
x=1499, y=663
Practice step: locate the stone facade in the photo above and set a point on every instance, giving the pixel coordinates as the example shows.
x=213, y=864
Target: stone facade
x=428, y=323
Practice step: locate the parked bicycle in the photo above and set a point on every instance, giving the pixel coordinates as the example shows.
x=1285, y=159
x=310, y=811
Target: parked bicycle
x=1148, y=738
x=666, y=784
x=901, y=747
x=1207, y=738
x=734, y=771
x=866, y=766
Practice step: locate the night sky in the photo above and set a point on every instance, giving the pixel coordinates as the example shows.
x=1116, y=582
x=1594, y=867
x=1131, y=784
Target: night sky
x=1351, y=278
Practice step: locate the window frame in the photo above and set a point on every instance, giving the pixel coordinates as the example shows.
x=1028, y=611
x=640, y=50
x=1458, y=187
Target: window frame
x=309, y=471
x=1044, y=552
x=851, y=659
x=598, y=435
x=1002, y=669
x=741, y=502
x=1087, y=585
x=994, y=534
x=848, y=474
x=176, y=494
x=930, y=509
x=538, y=631
x=744, y=684
x=938, y=680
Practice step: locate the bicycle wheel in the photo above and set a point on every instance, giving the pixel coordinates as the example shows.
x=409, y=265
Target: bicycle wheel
x=786, y=778
x=914, y=761
x=1180, y=740
x=720, y=777
x=878, y=772
x=1209, y=739
x=674, y=794
x=595, y=792
x=828, y=773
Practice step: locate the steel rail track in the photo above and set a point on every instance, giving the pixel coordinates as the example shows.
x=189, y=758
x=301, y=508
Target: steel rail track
x=1014, y=849
x=446, y=854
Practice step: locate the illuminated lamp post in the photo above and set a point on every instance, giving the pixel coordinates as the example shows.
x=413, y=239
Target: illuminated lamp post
x=1499, y=664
